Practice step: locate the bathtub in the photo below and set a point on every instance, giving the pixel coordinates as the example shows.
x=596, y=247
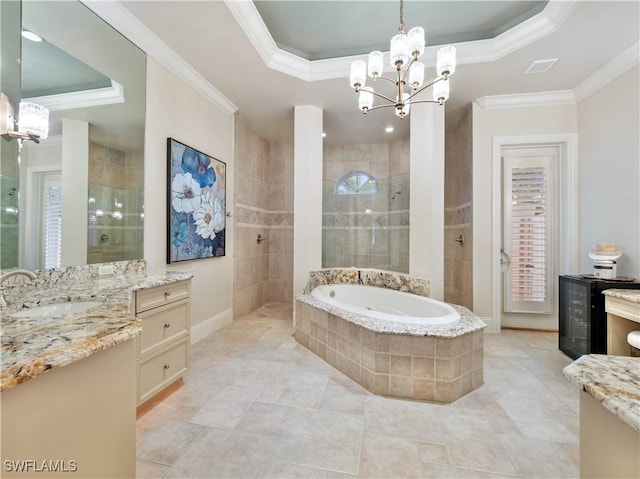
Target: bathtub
x=391, y=342
x=387, y=305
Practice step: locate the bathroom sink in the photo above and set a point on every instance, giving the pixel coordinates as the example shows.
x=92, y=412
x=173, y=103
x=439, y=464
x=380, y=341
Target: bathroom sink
x=57, y=309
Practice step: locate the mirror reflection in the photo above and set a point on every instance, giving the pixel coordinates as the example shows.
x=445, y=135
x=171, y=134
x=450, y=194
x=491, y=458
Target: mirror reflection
x=81, y=189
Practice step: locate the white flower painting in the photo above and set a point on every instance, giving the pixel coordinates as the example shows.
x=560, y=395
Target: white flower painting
x=197, y=204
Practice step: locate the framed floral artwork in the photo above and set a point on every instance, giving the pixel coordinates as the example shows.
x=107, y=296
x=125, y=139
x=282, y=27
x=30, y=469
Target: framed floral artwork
x=196, y=204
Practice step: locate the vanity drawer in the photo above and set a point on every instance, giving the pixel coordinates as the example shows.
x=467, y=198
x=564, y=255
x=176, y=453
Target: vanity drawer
x=160, y=370
x=163, y=325
x=161, y=295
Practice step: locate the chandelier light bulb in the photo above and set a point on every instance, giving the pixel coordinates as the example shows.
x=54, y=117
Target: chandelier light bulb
x=399, y=51
x=365, y=100
x=446, y=63
x=416, y=75
x=416, y=41
x=376, y=64
x=441, y=91
x=33, y=120
x=358, y=75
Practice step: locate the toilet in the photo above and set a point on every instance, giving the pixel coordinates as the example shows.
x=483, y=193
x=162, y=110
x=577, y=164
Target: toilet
x=633, y=338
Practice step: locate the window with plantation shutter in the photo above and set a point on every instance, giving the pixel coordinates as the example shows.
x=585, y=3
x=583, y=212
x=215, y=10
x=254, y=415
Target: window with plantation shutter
x=528, y=235
x=52, y=227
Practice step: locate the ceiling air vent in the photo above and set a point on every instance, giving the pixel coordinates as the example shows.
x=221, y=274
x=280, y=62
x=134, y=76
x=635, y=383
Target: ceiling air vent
x=541, y=66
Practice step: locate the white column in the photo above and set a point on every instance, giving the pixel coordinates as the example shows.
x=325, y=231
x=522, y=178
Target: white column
x=426, y=234
x=307, y=201
x=75, y=185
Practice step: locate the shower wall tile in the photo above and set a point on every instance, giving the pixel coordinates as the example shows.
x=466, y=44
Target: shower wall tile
x=263, y=205
x=458, y=213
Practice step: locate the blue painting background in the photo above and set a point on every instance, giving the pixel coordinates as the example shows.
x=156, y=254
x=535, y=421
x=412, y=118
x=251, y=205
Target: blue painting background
x=197, y=204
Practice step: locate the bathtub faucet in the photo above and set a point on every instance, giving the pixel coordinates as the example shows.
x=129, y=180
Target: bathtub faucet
x=315, y=279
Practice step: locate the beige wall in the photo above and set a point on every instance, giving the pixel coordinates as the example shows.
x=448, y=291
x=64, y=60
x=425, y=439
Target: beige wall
x=263, y=272
x=609, y=173
x=487, y=124
x=458, y=214
x=176, y=110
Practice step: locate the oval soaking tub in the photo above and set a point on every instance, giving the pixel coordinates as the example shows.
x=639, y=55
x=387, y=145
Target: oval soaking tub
x=387, y=304
x=382, y=330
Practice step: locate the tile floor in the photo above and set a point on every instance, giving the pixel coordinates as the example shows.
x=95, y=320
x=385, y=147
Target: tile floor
x=256, y=404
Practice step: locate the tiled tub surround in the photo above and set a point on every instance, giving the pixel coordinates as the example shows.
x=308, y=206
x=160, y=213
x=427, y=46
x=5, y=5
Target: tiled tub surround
x=31, y=347
x=436, y=363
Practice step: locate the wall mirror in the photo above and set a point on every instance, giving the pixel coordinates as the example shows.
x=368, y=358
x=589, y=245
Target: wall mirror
x=80, y=191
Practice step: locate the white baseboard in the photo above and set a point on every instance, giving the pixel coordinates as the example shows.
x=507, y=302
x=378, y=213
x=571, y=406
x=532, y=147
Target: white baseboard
x=492, y=326
x=211, y=325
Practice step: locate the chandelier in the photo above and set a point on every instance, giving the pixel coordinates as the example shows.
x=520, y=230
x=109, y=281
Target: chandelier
x=405, y=49
x=32, y=124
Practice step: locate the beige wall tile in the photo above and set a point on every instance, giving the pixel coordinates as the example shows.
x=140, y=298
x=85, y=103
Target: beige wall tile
x=423, y=346
x=382, y=343
x=400, y=386
x=368, y=359
x=382, y=363
x=381, y=384
x=399, y=344
x=423, y=368
x=423, y=389
x=448, y=369
x=400, y=365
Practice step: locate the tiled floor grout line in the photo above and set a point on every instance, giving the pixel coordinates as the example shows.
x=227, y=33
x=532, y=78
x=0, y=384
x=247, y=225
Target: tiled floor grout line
x=512, y=357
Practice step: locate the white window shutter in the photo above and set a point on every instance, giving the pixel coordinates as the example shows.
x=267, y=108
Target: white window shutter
x=53, y=227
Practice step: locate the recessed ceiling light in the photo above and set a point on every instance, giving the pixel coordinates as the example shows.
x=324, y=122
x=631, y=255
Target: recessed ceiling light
x=31, y=36
x=541, y=66
x=389, y=129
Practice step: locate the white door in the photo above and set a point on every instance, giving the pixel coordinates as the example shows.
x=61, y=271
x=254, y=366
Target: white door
x=529, y=245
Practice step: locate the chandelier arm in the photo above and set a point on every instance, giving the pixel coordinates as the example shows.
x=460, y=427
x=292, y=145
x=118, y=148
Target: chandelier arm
x=425, y=101
x=380, y=95
x=381, y=106
x=424, y=87
x=406, y=72
x=386, y=78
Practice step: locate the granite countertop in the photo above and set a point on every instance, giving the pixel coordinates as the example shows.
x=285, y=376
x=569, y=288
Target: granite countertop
x=614, y=381
x=468, y=322
x=33, y=346
x=632, y=295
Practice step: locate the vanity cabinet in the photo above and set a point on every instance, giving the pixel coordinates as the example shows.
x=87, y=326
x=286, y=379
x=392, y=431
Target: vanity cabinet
x=623, y=316
x=164, y=343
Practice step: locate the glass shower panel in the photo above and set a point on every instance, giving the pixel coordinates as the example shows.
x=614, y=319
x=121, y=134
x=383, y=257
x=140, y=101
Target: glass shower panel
x=365, y=220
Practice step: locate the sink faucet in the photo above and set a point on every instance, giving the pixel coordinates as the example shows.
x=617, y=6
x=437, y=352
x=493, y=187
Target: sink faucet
x=16, y=272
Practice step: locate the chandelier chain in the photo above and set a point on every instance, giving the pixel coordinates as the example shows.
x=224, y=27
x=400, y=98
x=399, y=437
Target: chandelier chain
x=401, y=16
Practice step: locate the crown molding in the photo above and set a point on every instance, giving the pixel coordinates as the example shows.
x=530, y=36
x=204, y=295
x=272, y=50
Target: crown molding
x=532, y=29
x=609, y=71
x=520, y=100
x=116, y=15
x=82, y=99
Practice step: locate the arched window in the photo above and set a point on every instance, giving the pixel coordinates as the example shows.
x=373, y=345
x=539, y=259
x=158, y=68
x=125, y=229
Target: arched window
x=356, y=183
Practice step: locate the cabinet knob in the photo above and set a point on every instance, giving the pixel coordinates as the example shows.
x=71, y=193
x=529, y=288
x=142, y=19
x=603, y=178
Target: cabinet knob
x=166, y=366
x=167, y=325
x=167, y=294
